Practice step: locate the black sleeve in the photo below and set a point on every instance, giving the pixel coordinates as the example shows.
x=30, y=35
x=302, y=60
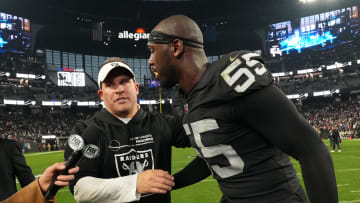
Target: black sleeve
x=178, y=135
x=194, y=172
x=272, y=115
x=22, y=170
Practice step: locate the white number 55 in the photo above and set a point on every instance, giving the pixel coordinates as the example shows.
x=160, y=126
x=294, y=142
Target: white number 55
x=235, y=163
x=244, y=71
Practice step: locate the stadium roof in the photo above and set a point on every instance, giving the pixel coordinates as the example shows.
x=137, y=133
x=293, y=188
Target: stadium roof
x=72, y=20
x=246, y=12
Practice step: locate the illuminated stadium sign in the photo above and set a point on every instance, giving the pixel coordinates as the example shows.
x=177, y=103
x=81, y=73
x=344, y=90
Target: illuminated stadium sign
x=320, y=31
x=73, y=79
x=298, y=42
x=2, y=42
x=15, y=35
x=135, y=36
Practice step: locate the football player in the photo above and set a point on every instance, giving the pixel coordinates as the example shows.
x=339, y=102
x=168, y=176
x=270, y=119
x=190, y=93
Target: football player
x=239, y=122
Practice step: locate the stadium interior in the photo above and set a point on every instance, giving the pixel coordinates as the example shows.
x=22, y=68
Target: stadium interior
x=50, y=52
x=50, y=59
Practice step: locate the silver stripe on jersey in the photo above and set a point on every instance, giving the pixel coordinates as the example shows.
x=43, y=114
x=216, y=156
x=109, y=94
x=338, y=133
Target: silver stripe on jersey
x=202, y=126
x=236, y=164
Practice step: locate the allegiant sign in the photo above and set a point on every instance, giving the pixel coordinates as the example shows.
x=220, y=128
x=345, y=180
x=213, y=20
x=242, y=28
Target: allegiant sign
x=135, y=36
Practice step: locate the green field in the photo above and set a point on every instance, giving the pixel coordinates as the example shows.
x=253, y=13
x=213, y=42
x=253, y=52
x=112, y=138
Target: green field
x=347, y=168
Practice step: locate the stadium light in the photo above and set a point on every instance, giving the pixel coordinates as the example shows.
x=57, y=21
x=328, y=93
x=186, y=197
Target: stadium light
x=306, y=1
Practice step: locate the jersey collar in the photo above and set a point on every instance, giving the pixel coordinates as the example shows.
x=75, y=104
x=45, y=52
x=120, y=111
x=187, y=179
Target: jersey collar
x=202, y=83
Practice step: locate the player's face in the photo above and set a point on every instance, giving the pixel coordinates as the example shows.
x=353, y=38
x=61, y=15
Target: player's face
x=160, y=64
x=119, y=94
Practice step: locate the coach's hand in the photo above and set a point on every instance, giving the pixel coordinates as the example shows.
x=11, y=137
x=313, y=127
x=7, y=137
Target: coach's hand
x=154, y=181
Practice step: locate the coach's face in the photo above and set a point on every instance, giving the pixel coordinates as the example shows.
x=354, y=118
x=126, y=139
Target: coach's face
x=160, y=62
x=119, y=93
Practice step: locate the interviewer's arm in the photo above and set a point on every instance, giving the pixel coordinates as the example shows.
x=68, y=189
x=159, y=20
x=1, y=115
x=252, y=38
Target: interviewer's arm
x=30, y=193
x=34, y=191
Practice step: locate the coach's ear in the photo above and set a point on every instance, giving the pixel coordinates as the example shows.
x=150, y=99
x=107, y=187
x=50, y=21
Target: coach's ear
x=100, y=93
x=178, y=47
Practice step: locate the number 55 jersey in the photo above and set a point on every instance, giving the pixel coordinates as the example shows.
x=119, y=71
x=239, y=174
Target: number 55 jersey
x=245, y=162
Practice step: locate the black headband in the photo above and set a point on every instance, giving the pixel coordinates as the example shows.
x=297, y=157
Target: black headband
x=157, y=37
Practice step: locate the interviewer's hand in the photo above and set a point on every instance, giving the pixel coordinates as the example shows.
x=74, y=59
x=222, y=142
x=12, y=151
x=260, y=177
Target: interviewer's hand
x=50, y=174
x=154, y=181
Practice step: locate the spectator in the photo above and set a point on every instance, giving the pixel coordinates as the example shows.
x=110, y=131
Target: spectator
x=336, y=140
x=13, y=165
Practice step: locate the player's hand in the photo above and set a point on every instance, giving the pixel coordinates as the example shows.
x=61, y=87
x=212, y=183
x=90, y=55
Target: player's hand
x=154, y=181
x=50, y=173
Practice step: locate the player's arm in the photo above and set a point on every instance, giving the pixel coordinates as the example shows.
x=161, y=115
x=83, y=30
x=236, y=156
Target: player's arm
x=178, y=135
x=197, y=169
x=271, y=114
x=194, y=172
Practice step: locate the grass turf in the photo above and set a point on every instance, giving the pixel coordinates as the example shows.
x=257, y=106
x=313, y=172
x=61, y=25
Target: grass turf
x=347, y=168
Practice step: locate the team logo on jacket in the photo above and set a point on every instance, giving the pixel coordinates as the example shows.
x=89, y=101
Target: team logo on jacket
x=133, y=162
x=186, y=108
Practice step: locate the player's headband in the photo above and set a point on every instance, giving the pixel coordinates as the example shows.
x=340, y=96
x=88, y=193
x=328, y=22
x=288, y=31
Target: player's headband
x=157, y=37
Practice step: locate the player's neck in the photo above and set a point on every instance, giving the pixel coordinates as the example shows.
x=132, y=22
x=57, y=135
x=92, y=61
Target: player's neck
x=191, y=78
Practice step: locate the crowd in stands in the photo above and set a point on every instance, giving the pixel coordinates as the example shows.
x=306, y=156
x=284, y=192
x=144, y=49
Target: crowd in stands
x=13, y=63
x=71, y=93
x=339, y=78
x=325, y=114
x=38, y=89
x=322, y=114
x=309, y=85
x=31, y=124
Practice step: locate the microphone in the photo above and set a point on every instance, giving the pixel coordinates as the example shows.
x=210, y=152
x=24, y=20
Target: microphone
x=80, y=150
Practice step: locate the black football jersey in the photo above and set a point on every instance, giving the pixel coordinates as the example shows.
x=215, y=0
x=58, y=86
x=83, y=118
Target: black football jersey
x=245, y=164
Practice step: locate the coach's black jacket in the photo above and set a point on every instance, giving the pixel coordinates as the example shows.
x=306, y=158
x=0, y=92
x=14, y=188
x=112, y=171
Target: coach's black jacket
x=12, y=164
x=144, y=143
